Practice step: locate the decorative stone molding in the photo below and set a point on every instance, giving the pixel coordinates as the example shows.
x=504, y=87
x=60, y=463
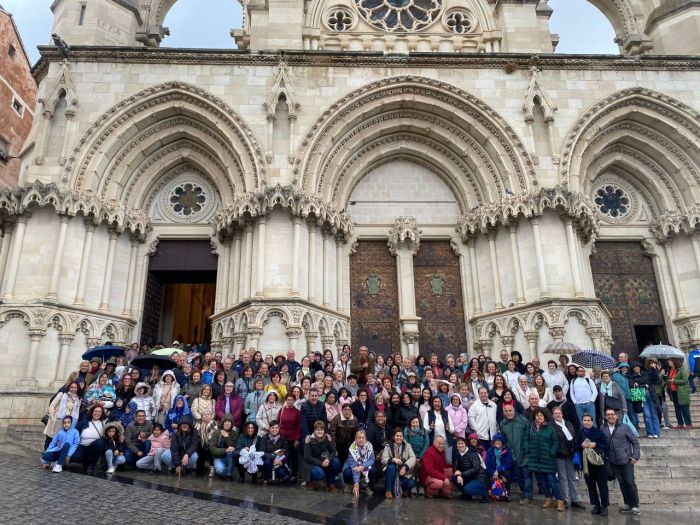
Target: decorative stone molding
x=404, y=235
x=577, y=206
x=69, y=321
x=252, y=206
x=18, y=201
x=282, y=86
x=688, y=329
x=675, y=223
x=62, y=83
x=536, y=92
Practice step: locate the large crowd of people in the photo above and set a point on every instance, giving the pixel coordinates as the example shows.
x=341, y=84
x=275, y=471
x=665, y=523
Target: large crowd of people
x=477, y=428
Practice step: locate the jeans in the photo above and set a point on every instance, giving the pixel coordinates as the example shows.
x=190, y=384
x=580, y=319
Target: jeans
x=269, y=469
x=58, y=456
x=132, y=458
x=113, y=461
x=167, y=458
x=151, y=461
x=549, y=485
x=567, y=479
x=631, y=413
x=89, y=455
x=585, y=408
x=651, y=416
x=597, y=483
x=624, y=474
x=524, y=478
x=472, y=487
x=691, y=380
x=682, y=411
x=390, y=479
x=329, y=472
x=223, y=466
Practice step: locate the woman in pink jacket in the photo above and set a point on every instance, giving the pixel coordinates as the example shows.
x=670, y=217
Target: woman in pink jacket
x=229, y=403
x=458, y=415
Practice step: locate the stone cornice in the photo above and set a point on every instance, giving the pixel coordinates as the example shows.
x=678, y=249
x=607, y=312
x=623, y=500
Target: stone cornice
x=19, y=201
x=578, y=207
x=249, y=207
x=363, y=59
x=677, y=222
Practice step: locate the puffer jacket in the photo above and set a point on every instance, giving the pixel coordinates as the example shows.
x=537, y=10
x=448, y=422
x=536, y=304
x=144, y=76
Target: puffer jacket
x=469, y=465
x=117, y=444
x=182, y=443
x=218, y=443
x=543, y=446
x=343, y=430
x=315, y=451
x=516, y=431
x=418, y=439
x=145, y=402
x=623, y=444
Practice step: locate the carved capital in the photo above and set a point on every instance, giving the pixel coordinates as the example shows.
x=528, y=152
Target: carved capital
x=405, y=235
x=410, y=338
x=531, y=337
x=293, y=332
x=36, y=334
x=65, y=339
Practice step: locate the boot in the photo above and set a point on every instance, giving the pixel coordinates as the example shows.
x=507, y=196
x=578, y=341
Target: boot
x=388, y=495
x=560, y=506
x=547, y=503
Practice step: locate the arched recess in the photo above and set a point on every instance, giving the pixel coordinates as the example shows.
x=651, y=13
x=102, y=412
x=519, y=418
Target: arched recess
x=646, y=133
x=159, y=126
x=474, y=148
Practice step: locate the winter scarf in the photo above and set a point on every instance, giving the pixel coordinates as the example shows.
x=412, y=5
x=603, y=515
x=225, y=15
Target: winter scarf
x=128, y=417
x=606, y=389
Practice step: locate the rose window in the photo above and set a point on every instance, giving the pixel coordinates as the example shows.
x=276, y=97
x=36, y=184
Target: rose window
x=187, y=199
x=340, y=20
x=612, y=201
x=400, y=15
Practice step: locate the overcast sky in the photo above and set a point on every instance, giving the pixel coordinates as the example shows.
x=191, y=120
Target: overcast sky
x=582, y=28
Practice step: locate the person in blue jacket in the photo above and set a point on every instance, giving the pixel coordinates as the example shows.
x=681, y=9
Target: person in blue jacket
x=499, y=462
x=62, y=446
x=694, y=364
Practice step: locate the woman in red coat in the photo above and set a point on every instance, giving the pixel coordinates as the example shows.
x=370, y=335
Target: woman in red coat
x=290, y=428
x=435, y=474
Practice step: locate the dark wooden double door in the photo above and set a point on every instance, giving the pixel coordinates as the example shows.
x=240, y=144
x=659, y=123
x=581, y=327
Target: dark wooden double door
x=375, y=299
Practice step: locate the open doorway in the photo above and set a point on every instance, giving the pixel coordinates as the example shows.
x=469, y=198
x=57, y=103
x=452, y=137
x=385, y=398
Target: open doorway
x=180, y=293
x=649, y=335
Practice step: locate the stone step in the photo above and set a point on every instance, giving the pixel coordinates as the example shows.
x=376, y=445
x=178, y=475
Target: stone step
x=668, y=486
x=651, y=461
x=645, y=471
x=30, y=436
x=678, y=500
x=682, y=441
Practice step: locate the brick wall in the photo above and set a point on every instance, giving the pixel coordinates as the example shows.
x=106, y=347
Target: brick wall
x=374, y=319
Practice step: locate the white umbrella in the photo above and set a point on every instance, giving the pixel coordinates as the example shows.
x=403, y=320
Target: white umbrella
x=662, y=352
x=561, y=348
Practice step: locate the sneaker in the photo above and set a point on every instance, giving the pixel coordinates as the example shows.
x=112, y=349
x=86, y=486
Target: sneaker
x=57, y=468
x=525, y=502
x=636, y=511
x=577, y=505
x=664, y=427
x=626, y=509
x=111, y=470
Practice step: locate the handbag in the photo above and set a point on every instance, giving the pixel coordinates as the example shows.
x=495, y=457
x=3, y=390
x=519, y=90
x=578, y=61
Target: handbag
x=498, y=491
x=626, y=420
x=45, y=420
x=638, y=394
x=609, y=471
x=612, y=403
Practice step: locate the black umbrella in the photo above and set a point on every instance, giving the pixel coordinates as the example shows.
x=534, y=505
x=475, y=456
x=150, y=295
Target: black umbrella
x=147, y=361
x=104, y=352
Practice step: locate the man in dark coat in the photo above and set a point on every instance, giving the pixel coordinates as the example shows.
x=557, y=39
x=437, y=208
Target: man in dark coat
x=183, y=447
x=378, y=433
x=623, y=454
x=567, y=407
x=312, y=411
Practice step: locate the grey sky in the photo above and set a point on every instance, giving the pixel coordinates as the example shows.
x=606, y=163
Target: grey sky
x=583, y=29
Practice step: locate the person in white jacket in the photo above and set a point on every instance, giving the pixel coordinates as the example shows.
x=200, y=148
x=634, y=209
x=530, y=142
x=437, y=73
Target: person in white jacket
x=482, y=418
x=583, y=393
x=522, y=391
x=164, y=394
x=544, y=393
x=144, y=400
x=553, y=376
x=511, y=375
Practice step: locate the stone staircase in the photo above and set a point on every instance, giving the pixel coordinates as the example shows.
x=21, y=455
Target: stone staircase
x=669, y=473
x=28, y=436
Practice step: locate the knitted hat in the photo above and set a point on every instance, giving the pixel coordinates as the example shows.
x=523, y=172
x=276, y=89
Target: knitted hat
x=498, y=437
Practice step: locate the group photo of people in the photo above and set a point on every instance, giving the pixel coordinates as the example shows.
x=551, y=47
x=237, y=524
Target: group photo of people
x=478, y=428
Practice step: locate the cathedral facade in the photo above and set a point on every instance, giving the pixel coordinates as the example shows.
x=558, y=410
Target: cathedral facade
x=415, y=175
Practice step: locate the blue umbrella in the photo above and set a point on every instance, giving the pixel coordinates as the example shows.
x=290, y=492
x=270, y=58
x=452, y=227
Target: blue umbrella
x=591, y=358
x=662, y=352
x=104, y=352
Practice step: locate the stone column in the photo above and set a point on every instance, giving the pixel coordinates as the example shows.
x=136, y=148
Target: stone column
x=404, y=242
x=520, y=288
x=227, y=346
x=326, y=268
x=296, y=254
x=260, y=273
x=495, y=273
x=475, y=276
x=695, y=241
x=10, y=277
x=327, y=343
x=239, y=339
x=5, y=249
x=42, y=142
x=52, y=295
x=293, y=332
x=531, y=338
x=234, y=284
x=410, y=342
x=339, y=273
x=311, y=338
x=312, y=262
x=541, y=271
x=571, y=241
x=596, y=335
x=467, y=295
x=681, y=310
x=84, y=263
x=107, y=279
x=60, y=377
x=223, y=276
x=131, y=278
x=248, y=268
x=507, y=341
x=486, y=345
x=254, y=334
x=29, y=377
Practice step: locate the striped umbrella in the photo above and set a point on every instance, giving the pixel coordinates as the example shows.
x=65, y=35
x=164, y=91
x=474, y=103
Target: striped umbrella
x=561, y=348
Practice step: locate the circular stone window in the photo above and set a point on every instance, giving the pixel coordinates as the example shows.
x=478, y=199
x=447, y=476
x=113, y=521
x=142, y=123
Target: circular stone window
x=400, y=16
x=340, y=19
x=187, y=199
x=459, y=21
x=612, y=201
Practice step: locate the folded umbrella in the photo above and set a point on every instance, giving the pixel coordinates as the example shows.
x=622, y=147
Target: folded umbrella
x=104, y=352
x=591, y=358
x=561, y=348
x=662, y=352
x=147, y=361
